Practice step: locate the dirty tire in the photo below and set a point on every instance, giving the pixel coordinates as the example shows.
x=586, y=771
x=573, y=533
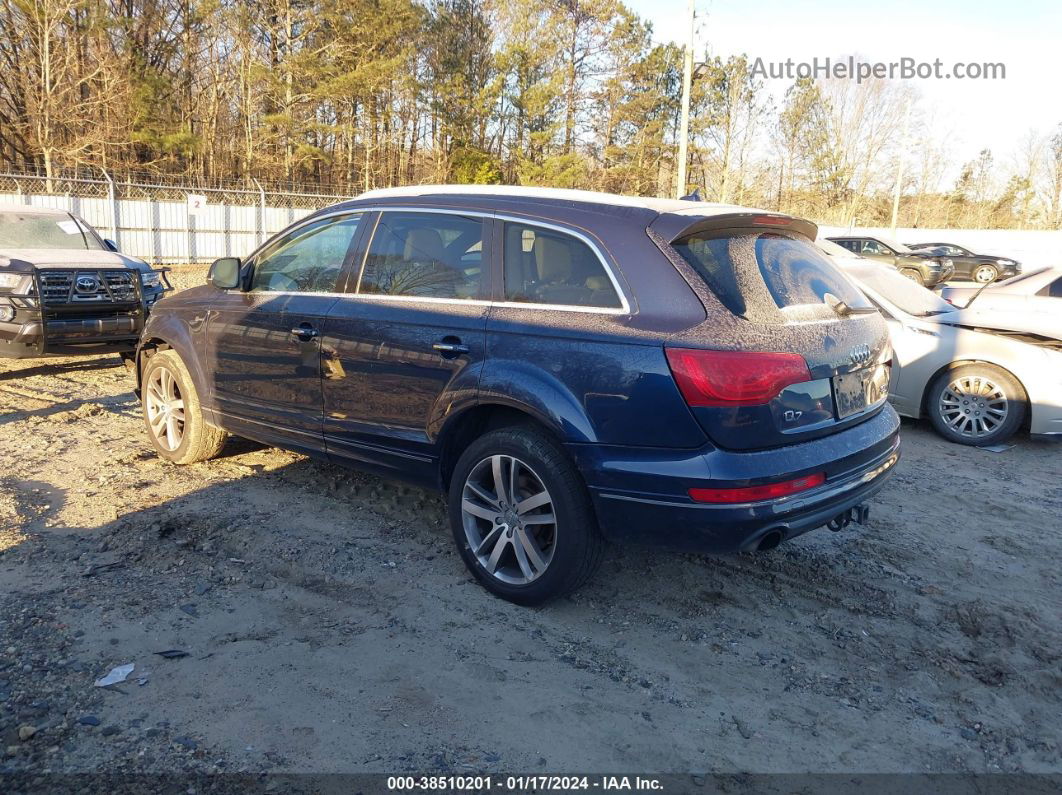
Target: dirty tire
x=577, y=545
x=199, y=441
x=914, y=275
x=996, y=382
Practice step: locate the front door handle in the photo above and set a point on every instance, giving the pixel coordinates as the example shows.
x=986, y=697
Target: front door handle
x=450, y=347
x=304, y=332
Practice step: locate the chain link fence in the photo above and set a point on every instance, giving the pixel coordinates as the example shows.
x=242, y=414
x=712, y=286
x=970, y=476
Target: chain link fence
x=167, y=222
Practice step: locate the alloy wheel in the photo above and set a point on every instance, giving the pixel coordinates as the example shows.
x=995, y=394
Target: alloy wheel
x=509, y=519
x=973, y=406
x=984, y=274
x=165, y=408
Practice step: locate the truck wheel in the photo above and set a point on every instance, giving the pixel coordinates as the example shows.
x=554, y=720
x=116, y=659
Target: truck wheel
x=522, y=518
x=172, y=412
x=976, y=404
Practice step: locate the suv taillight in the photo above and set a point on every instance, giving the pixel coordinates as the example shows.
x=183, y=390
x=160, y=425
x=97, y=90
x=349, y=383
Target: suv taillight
x=734, y=378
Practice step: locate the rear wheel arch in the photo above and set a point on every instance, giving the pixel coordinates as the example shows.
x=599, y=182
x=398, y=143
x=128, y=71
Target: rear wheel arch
x=464, y=428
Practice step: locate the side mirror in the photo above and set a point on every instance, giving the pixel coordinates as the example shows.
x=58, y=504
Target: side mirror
x=111, y=245
x=225, y=273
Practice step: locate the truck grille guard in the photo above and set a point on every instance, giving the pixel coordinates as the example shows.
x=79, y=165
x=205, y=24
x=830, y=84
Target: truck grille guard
x=61, y=298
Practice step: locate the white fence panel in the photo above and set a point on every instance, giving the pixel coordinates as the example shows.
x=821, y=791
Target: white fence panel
x=165, y=230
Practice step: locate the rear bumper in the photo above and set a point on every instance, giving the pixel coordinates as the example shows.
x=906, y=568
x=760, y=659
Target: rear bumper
x=641, y=495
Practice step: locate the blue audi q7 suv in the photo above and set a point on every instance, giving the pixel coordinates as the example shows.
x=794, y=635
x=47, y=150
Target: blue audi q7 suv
x=568, y=366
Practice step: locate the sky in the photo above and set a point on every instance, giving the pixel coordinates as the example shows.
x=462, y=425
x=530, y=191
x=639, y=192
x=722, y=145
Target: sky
x=1025, y=35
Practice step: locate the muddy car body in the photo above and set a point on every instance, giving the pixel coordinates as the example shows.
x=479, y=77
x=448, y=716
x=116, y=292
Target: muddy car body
x=65, y=290
x=523, y=348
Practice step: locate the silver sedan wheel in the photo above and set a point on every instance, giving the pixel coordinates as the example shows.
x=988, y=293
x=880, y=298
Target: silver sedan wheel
x=984, y=274
x=165, y=408
x=973, y=406
x=509, y=519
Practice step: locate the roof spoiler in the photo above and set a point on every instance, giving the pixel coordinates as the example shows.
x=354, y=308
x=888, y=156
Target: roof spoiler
x=672, y=226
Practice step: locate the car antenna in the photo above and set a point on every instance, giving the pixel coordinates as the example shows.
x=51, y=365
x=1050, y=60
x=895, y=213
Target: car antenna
x=692, y=197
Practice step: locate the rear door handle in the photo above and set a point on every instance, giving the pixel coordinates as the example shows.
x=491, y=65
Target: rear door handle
x=304, y=332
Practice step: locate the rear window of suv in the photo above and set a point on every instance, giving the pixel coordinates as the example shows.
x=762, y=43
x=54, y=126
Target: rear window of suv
x=755, y=272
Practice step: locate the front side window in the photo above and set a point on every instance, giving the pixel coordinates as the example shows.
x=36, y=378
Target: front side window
x=1055, y=288
x=874, y=247
x=544, y=266
x=307, y=260
x=426, y=255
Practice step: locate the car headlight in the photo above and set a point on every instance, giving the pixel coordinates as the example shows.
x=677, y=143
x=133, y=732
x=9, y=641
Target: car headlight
x=151, y=279
x=9, y=281
x=1004, y=262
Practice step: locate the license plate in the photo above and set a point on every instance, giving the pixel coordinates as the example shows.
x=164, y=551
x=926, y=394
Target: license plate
x=856, y=392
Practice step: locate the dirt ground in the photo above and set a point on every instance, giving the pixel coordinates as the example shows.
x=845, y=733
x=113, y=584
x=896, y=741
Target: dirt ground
x=329, y=625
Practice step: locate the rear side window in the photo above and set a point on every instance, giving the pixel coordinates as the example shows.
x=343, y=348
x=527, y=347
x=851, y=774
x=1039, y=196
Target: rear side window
x=430, y=255
x=545, y=266
x=756, y=272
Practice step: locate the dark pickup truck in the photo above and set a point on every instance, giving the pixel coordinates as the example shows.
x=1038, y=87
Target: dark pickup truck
x=65, y=290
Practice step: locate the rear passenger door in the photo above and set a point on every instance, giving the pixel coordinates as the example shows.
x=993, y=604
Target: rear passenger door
x=402, y=349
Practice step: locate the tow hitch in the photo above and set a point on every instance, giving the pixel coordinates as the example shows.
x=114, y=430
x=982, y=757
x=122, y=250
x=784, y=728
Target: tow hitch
x=858, y=514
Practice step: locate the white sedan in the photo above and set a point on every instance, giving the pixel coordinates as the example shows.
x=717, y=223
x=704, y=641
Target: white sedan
x=977, y=385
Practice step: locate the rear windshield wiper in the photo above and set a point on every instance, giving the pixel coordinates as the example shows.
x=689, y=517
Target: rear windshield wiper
x=843, y=309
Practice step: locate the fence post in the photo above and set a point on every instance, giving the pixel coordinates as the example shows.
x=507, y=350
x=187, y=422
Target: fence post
x=189, y=230
x=112, y=197
x=261, y=211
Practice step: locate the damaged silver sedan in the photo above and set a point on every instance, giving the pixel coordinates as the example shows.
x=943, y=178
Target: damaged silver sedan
x=978, y=376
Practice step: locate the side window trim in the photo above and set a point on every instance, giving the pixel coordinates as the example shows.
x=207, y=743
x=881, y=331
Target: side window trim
x=361, y=252
x=492, y=241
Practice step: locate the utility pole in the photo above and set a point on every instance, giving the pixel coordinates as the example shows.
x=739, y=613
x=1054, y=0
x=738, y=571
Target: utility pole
x=899, y=169
x=684, y=124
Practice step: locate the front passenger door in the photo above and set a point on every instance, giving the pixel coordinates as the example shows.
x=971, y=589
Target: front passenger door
x=266, y=341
